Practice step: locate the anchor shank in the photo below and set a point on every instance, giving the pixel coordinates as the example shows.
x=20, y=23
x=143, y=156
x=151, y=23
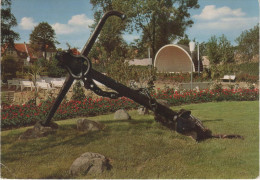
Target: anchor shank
x=132, y=94
x=66, y=86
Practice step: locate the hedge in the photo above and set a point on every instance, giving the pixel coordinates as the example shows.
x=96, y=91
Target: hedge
x=28, y=114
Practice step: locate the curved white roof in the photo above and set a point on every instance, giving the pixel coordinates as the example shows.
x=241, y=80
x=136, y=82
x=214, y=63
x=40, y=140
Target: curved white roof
x=174, y=58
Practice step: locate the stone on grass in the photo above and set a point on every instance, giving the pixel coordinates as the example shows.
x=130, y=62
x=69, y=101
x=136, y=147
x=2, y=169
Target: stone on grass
x=88, y=125
x=39, y=131
x=122, y=114
x=89, y=163
x=142, y=110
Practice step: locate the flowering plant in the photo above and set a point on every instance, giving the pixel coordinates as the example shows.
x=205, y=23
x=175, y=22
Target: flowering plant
x=29, y=113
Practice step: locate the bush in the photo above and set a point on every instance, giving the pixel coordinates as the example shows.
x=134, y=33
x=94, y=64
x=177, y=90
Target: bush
x=29, y=114
x=247, y=78
x=78, y=92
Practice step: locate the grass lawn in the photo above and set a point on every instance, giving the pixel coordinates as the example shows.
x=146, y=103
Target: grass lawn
x=142, y=148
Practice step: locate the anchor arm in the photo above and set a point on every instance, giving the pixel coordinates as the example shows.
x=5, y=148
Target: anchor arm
x=74, y=71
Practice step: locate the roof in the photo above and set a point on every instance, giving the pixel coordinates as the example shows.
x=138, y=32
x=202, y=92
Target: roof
x=140, y=62
x=75, y=51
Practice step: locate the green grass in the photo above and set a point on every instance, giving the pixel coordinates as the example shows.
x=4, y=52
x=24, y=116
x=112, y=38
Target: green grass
x=141, y=148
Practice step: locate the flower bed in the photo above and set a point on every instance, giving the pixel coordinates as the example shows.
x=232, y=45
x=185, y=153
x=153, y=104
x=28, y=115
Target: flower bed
x=28, y=114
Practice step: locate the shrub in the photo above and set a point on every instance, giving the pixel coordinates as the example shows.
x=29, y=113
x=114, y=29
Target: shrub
x=28, y=114
x=78, y=92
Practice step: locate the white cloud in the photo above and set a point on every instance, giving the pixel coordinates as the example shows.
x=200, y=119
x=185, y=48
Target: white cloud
x=27, y=23
x=62, y=28
x=80, y=20
x=241, y=23
x=210, y=12
x=223, y=18
x=77, y=23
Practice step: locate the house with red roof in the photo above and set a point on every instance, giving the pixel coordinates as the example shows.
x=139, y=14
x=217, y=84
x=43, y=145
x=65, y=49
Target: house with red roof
x=25, y=54
x=20, y=51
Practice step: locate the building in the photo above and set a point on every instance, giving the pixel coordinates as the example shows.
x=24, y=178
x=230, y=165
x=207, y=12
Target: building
x=24, y=53
x=175, y=58
x=20, y=51
x=140, y=62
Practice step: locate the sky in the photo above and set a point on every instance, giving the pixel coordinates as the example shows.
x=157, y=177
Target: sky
x=71, y=19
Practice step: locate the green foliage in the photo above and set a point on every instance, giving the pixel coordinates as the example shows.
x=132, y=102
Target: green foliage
x=219, y=50
x=160, y=22
x=226, y=50
x=123, y=73
x=9, y=67
x=78, y=92
x=43, y=38
x=8, y=21
x=34, y=71
x=249, y=68
x=248, y=43
x=54, y=70
x=184, y=41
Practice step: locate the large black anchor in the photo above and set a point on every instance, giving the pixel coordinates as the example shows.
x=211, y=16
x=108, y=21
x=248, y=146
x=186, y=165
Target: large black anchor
x=80, y=68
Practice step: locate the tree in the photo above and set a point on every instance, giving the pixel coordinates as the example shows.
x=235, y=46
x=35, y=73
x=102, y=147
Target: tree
x=219, y=50
x=248, y=43
x=8, y=69
x=43, y=38
x=160, y=21
x=8, y=21
x=226, y=50
x=184, y=41
x=110, y=45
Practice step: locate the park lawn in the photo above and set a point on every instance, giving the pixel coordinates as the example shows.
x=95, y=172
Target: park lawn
x=142, y=148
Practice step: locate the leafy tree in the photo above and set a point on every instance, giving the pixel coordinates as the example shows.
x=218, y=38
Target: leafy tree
x=110, y=44
x=8, y=21
x=160, y=22
x=212, y=50
x=219, y=50
x=8, y=68
x=184, y=41
x=226, y=50
x=43, y=38
x=54, y=70
x=248, y=43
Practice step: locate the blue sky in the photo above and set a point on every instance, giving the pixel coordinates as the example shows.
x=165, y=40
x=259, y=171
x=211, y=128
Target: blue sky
x=71, y=18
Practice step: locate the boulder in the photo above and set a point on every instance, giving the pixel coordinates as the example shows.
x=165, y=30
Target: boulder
x=39, y=131
x=89, y=163
x=88, y=125
x=121, y=114
x=142, y=110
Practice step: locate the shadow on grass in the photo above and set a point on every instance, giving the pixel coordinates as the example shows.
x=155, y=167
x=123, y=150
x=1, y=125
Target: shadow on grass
x=131, y=121
x=209, y=120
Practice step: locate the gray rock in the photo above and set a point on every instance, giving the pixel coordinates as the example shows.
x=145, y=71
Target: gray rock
x=88, y=125
x=89, y=163
x=121, y=114
x=39, y=131
x=142, y=110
